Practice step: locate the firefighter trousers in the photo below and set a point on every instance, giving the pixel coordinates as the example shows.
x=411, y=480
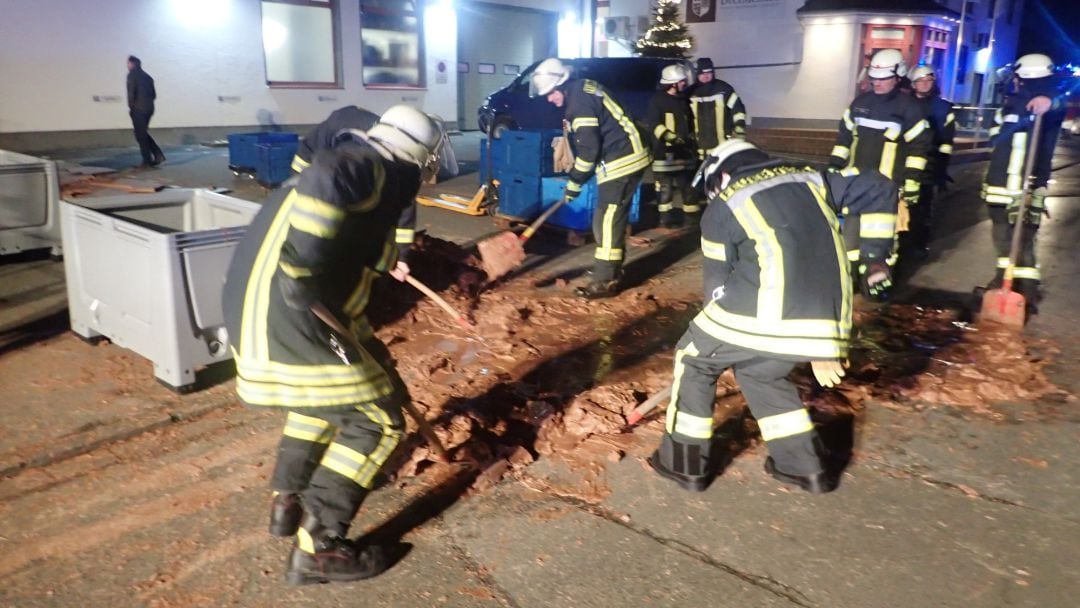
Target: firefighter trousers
x=610, y=219
x=670, y=185
x=1026, y=275
x=331, y=458
x=774, y=402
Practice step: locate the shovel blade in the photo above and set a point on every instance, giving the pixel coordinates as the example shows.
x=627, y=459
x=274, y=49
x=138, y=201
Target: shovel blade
x=501, y=254
x=1005, y=307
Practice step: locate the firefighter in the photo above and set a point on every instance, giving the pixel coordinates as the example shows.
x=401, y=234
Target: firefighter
x=608, y=144
x=778, y=291
x=1036, y=93
x=719, y=113
x=325, y=244
x=939, y=114
x=883, y=130
x=674, y=157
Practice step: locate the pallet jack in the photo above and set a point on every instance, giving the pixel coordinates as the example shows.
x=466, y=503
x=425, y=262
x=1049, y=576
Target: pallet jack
x=481, y=203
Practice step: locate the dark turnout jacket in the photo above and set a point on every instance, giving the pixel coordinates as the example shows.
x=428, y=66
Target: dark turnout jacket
x=328, y=241
x=140, y=91
x=1010, y=137
x=885, y=132
x=322, y=136
x=607, y=143
x=777, y=278
x=672, y=129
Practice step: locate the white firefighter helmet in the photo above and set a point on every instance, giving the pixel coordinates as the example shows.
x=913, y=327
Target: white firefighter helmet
x=673, y=74
x=887, y=63
x=1035, y=65
x=715, y=159
x=548, y=75
x=923, y=71
x=410, y=135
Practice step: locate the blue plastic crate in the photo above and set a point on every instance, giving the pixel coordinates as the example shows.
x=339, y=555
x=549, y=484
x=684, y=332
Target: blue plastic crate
x=520, y=153
x=273, y=162
x=578, y=213
x=498, y=163
x=243, y=154
x=519, y=196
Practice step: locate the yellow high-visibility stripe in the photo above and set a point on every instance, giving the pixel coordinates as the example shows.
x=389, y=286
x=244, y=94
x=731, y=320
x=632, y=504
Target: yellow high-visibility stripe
x=853, y=255
x=825, y=329
x=1002, y=262
x=358, y=299
x=915, y=162
x=388, y=257
x=304, y=542
x=295, y=272
x=719, y=109
x=696, y=427
x=627, y=165
x=877, y=225
x=916, y=130
x=1027, y=272
x=680, y=368
x=1016, y=161
x=843, y=267
x=583, y=166
x=850, y=124
x=318, y=208
x=849, y=172
x=665, y=207
x=945, y=148
x=770, y=300
x=583, y=122
x=950, y=118
x=308, y=428
x=311, y=375
x=994, y=131
x=344, y=461
x=573, y=186
x=299, y=164
x=911, y=185
x=307, y=224
x=404, y=236
x=997, y=199
x=288, y=396
x=378, y=174
x=732, y=101
x=803, y=347
x=669, y=122
x=627, y=125
x=713, y=250
x=659, y=130
x=888, y=159
x=690, y=208
x=604, y=250
x=795, y=422
x=841, y=152
x=253, y=323
x=389, y=440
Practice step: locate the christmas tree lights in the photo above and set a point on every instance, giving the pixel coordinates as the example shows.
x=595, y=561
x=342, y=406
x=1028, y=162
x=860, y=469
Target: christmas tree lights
x=667, y=36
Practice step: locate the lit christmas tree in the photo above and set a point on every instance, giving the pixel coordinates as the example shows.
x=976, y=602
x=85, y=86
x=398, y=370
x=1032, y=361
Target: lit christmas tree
x=667, y=37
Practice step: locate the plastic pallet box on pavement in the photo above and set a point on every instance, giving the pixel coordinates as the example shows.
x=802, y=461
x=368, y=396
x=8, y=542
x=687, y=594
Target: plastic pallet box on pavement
x=243, y=151
x=29, y=204
x=520, y=153
x=147, y=271
x=578, y=213
x=273, y=163
x=519, y=196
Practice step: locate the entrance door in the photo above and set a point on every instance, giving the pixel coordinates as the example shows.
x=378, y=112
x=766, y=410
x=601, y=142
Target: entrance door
x=494, y=43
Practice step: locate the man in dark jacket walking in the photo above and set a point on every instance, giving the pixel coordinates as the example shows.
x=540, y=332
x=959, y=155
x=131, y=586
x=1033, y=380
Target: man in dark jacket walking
x=141, y=95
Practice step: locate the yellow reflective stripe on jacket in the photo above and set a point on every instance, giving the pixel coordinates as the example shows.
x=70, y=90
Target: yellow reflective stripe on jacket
x=888, y=159
x=308, y=428
x=627, y=125
x=842, y=152
x=275, y=394
x=659, y=130
x=850, y=124
x=583, y=166
x=378, y=173
x=810, y=348
x=915, y=162
x=713, y=250
x=360, y=296
x=945, y=148
x=299, y=164
x=315, y=216
x=877, y=225
x=794, y=328
x=335, y=374
x=388, y=257
x=584, y=121
x=795, y=422
x=252, y=341
x=295, y=272
x=573, y=186
x=404, y=236
x=950, y=118
x=732, y=100
x=821, y=196
x=916, y=130
x=770, y=300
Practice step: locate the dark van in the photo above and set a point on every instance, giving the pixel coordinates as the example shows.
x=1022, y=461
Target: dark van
x=632, y=80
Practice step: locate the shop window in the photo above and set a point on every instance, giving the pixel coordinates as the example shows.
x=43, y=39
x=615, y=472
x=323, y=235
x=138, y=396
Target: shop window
x=391, y=36
x=300, y=43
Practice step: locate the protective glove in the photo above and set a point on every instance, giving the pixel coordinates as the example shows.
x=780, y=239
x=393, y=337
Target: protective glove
x=828, y=373
x=400, y=271
x=875, y=279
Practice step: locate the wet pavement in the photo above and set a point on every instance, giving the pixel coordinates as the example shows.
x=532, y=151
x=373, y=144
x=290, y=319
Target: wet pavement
x=116, y=491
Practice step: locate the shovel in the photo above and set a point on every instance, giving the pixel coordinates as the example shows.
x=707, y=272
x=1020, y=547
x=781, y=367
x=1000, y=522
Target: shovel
x=506, y=250
x=647, y=406
x=1004, y=305
x=324, y=315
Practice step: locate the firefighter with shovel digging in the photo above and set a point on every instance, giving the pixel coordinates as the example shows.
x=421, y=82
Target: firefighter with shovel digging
x=778, y=291
x=297, y=287
x=608, y=144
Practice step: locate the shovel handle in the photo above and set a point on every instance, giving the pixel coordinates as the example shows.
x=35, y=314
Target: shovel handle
x=533, y=227
x=324, y=315
x=1025, y=196
x=647, y=406
x=459, y=318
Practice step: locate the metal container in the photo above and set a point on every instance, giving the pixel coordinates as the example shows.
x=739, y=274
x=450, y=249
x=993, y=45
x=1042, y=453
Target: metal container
x=147, y=272
x=29, y=200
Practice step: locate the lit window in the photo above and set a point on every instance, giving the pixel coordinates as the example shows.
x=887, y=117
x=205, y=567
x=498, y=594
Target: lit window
x=390, y=33
x=300, y=43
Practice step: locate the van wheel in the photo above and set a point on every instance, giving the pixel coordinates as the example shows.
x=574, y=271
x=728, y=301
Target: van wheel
x=500, y=126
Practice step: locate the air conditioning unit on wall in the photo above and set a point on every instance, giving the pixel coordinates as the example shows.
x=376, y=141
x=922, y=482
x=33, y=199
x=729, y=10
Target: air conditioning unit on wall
x=618, y=28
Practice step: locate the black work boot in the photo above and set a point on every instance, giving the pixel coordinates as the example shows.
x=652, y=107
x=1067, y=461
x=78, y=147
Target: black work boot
x=321, y=555
x=818, y=483
x=285, y=513
x=690, y=483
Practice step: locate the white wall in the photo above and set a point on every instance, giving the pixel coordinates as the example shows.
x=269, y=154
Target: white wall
x=56, y=55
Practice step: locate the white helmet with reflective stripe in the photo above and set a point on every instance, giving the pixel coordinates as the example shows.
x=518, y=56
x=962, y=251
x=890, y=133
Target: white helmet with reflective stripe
x=923, y=71
x=673, y=74
x=887, y=63
x=1035, y=65
x=409, y=134
x=549, y=74
x=716, y=158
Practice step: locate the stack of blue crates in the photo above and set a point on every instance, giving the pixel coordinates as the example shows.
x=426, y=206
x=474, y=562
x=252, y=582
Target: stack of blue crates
x=523, y=162
x=244, y=151
x=273, y=162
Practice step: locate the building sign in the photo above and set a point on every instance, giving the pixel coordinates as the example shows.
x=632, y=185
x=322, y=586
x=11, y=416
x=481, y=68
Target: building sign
x=700, y=11
x=721, y=4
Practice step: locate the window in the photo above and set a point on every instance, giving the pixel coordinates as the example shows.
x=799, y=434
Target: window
x=962, y=65
x=300, y=43
x=390, y=33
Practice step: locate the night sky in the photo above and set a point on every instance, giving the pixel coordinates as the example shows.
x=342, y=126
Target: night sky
x=1052, y=27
